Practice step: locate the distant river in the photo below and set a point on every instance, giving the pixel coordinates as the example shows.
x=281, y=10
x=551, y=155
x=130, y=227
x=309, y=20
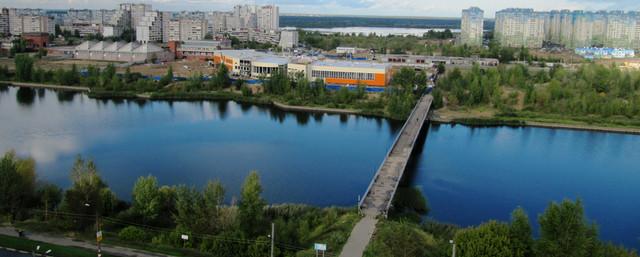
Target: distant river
x=380, y=31
x=469, y=175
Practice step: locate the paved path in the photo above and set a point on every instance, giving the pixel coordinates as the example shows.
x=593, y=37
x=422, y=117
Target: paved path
x=64, y=241
x=359, y=238
x=385, y=182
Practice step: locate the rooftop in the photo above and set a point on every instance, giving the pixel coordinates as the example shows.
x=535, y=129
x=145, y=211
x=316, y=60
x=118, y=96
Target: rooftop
x=368, y=65
x=254, y=56
x=123, y=47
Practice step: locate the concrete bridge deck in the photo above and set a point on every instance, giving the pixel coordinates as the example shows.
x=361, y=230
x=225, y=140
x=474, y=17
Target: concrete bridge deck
x=381, y=191
x=384, y=184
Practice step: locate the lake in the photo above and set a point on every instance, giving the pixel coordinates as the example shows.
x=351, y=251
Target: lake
x=468, y=174
x=379, y=31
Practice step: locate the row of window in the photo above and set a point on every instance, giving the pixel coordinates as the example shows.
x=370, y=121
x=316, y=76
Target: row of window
x=342, y=75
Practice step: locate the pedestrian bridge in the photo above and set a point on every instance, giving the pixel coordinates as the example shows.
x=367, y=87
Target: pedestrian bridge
x=379, y=195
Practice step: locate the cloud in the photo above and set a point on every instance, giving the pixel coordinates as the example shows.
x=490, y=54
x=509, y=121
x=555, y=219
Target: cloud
x=452, y=8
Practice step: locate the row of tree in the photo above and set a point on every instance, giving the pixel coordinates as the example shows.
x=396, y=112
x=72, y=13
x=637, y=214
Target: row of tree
x=161, y=214
x=397, y=102
x=563, y=231
x=590, y=90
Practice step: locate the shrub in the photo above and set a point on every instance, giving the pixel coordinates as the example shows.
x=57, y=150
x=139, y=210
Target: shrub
x=133, y=234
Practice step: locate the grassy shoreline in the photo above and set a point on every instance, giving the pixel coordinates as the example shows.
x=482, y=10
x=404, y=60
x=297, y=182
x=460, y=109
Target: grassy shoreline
x=465, y=118
x=470, y=119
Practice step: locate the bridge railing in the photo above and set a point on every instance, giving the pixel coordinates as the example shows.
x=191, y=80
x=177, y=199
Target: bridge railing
x=404, y=165
x=393, y=146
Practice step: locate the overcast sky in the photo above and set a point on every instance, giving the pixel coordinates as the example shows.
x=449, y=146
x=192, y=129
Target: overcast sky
x=431, y=8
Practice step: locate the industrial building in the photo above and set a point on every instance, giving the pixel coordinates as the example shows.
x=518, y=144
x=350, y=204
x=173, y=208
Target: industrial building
x=250, y=63
x=202, y=50
x=121, y=52
x=418, y=60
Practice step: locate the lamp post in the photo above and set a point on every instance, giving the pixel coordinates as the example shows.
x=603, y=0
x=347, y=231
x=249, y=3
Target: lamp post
x=98, y=231
x=453, y=250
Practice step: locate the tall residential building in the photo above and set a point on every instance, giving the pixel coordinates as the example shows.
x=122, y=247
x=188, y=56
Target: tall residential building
x=289, y=39
x=472, y=27
x=117, y=23
x=44, y=24
x=217, y=21
x=186, y=30
x=269, y=18
x=138, y=12
x=245, y=17
x=572, y=29
x=4, y=22
x=149, y=27
x=520, y=27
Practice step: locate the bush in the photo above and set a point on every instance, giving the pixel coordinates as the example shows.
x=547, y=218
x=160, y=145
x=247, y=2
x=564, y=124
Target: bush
x=133, y=234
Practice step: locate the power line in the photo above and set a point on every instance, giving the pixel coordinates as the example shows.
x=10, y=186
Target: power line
x=169, y=230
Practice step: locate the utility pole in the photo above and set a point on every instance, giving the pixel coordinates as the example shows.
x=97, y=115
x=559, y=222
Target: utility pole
x=273, y=235
x=453, y=253
x=98, y=234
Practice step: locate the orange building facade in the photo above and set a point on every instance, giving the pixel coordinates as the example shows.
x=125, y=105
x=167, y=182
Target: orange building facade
x=351, y=73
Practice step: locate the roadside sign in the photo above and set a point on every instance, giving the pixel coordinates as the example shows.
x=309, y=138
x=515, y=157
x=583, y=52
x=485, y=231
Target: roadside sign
x=320, y=247
x=185, y=237
x=99, y=236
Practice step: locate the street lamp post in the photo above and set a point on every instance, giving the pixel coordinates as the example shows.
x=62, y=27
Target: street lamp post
x=453, y=251
x=98, y=231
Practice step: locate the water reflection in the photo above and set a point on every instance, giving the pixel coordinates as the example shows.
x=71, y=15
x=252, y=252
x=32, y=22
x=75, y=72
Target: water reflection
x=222, y=109
x=41, y=92
x=65, y=96
x=302, y=118
x=25, y=96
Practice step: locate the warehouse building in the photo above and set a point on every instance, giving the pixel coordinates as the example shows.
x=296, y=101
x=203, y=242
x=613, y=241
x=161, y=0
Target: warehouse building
x=201, y=49
x=121, y=52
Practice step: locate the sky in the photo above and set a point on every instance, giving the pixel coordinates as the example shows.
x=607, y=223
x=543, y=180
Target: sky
x=420, y=8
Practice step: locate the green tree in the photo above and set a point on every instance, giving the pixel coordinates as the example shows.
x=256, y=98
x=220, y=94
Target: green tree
x=186, y=215
x=441, y=68
x=251, y=207
x=167, y=78
x=399, y=239
x=24, y=67
x=17, y=183
x=88, y=194
x=146, y=198
x=49, y=196
x=222, y=77
x=490, y=239
x=210, y=210
x=564, y=230
x=520, y=234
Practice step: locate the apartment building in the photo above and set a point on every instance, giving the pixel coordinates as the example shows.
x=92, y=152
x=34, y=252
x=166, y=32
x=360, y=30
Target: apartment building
x=471, y=27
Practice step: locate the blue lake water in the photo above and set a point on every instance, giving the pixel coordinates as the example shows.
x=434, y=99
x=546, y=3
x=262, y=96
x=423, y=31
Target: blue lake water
x=469, y=175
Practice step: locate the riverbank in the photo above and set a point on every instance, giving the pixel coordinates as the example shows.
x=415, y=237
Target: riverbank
x=488, y=118
x=48, y=86
x=475, y=117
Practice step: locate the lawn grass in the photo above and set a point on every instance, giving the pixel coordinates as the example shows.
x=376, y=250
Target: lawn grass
x=56, y=250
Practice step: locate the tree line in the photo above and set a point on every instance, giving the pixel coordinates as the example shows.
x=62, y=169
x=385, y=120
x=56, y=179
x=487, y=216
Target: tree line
x=158, y=215
x=294, y=89
x=563, y=231
x=589, y=91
